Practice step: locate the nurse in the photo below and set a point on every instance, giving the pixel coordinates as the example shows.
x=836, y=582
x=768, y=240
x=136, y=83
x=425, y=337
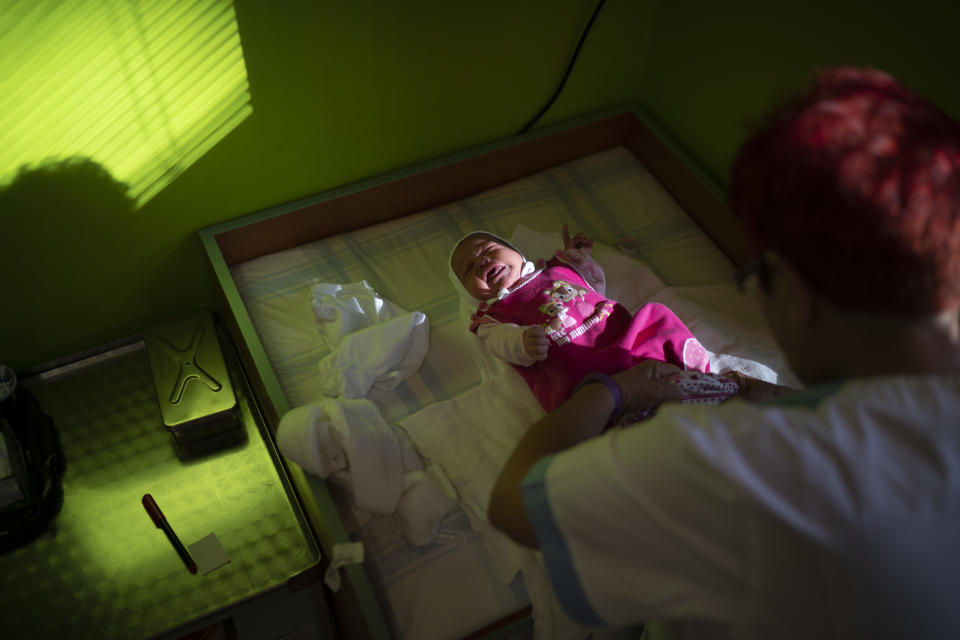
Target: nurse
x=833, y=512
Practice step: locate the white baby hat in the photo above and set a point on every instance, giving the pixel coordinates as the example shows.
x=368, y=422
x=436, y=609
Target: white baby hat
x=488, y=365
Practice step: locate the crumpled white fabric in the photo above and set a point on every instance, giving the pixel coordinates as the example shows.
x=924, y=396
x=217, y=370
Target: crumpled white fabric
x=372, y=341
x=348, y=442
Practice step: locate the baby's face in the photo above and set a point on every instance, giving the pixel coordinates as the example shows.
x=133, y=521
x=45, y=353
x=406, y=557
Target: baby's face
x=484, y=266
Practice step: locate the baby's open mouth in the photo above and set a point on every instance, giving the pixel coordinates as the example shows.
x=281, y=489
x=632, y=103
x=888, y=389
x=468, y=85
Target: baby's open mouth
x=493, y=272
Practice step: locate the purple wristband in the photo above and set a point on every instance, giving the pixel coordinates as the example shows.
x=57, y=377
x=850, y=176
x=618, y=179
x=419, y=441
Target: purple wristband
x=596, y=376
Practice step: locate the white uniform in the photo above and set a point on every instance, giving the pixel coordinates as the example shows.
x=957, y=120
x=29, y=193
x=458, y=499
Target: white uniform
x=785, y=520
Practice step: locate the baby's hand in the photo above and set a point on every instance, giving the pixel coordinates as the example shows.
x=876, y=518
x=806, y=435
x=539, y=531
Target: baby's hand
x=535, y=343
x=580, y=242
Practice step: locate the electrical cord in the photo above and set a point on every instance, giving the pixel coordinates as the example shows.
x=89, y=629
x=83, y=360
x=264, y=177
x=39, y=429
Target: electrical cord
x=566, y=74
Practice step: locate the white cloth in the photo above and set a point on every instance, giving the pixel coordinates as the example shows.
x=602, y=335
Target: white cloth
x=342, y=309
x=372, y=341
x=758, y=516
x=427, y=497
x=381, y=356
x=348, y=442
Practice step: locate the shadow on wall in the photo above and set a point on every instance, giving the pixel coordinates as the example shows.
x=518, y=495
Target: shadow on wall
x=75, y=184
x=60, y=223
x=146, y=88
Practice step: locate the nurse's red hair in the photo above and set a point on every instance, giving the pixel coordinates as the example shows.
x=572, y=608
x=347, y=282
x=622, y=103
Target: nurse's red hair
x=857, y=185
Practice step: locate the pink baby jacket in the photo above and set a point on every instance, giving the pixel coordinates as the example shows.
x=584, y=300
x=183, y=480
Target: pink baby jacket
x=587, y=331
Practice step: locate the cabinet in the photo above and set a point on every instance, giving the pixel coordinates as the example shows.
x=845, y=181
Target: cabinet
x=103, y=570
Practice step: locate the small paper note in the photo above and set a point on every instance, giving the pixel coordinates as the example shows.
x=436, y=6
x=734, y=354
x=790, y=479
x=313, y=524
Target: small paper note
x=344, y=553
x=208, y=553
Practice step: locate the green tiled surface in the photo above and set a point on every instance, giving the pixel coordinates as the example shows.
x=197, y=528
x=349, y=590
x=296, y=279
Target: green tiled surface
x=103, y=570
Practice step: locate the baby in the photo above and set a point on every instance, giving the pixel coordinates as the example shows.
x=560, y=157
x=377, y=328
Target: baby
x=553, y=322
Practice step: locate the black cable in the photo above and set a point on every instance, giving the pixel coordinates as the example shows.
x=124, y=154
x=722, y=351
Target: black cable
x=566, y=74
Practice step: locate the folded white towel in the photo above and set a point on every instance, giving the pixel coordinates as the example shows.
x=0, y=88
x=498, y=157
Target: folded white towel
x=409, y=459
x=373, y=472
x=305, y=436
x=427, y=497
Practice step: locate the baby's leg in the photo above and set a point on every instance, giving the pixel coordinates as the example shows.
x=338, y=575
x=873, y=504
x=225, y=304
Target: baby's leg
x=704, y=388
x=753, y=389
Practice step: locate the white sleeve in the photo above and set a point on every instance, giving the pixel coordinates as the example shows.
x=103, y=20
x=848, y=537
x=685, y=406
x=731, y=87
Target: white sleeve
x=634, y=526
x=505, y=340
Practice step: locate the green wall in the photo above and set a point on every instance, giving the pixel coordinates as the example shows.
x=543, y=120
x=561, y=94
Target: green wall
x=341, y=91
x=347, y=90
x=714, y=68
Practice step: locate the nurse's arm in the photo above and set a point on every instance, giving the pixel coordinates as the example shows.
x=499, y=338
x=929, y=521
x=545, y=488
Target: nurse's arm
x=580, y=418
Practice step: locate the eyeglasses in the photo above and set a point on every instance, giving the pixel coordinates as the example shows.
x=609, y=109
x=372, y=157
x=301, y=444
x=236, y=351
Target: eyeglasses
x=758, y=266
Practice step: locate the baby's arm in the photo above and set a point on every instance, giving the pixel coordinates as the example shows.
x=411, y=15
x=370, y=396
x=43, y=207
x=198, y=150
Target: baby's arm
x=578, y=251
x=514, y=343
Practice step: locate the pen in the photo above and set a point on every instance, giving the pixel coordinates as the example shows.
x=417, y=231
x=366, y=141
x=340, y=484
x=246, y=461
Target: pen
x=151, y=506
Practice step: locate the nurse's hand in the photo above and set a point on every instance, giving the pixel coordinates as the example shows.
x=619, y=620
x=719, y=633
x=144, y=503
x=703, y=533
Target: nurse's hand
x=754, y=390
x=643, y=386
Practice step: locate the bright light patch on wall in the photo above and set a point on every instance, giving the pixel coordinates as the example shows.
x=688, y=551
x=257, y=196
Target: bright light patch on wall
x=144, y=87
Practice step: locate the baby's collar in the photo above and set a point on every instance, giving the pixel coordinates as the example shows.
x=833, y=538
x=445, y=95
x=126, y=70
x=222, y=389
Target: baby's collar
x=526, y=274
